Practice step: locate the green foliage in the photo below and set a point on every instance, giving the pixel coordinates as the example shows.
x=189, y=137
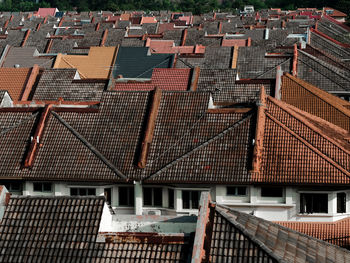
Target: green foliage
x=194, y=6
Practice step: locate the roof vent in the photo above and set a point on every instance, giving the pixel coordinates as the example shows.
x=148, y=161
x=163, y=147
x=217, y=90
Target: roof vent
x=16, y=66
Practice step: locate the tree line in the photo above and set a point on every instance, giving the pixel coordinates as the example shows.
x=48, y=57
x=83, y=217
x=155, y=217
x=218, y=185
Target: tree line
x=194, y=6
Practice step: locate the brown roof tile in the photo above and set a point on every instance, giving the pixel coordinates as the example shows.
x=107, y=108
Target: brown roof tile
x=14, y=80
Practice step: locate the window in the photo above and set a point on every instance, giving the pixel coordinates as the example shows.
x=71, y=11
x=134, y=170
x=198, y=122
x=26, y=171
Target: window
x=13, y=186
x=108, y=195
x=271, y=191
x=341, y=203
x=42, y=187
x=190, y=199
x=313, y=203
x=236, y=190
x=126, y=196
x=152, y=196
x=82, y=191
x=171, y=198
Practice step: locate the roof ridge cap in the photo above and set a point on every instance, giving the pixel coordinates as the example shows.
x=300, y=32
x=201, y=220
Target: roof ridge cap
x=247, y=233
x=294, y=112
x=95, y=151
x=210, y=140
x=282, y=228
x=324, y=95
x=324, y=64
x=310, y=146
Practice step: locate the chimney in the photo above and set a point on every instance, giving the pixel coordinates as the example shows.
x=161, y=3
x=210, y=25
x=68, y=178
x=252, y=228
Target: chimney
x=31, y=81
x=259, y=131
x=30, y=155
x=194, y=80
x=267, y=32
x=151, y=123
x=104, y=38
x=295, y=61
x=184, y=35
x=278, y=84
x=25, y=38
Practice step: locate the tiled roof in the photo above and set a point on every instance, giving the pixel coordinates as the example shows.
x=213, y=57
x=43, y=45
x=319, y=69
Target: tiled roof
x=315, y=101
x=59, y=83
x=49, y=229
x=136, y=62
x=163, y=78
x=42, y=12
x=14, y=80
x=322, y=74
x=309, y=150
x=97, y=64
x=259, y=238
x=336, y=233
x=25, y=58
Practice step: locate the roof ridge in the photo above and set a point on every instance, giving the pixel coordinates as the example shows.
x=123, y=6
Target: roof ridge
x=214, y=138
x=55, y=197
x=294, y=112
x=318, y=223
x=324, y=64
x=19, y=124
x=309, y=145
x=333, y=58
x=90, y=147
x=325, y=96
x=279, y=226
x=73, y=67
x=246, y=233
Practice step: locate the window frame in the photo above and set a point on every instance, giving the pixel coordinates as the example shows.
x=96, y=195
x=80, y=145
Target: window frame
x=152, y=196
x=79, y=189
x=339, y=210
x=129, y=194
x=303, y=211
x=236, y=190
x=190, y=201
x=42, y=187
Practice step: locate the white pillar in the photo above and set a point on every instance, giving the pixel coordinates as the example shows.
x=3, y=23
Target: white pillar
x=289, y=195
x=332, y=203
x=253, y=195
x=27, y=188
x=138, y=198
x=178, y=200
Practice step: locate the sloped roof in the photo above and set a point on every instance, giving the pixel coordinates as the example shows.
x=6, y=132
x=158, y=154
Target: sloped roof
x=14, y=80
x=315, y=101
x=60, y=83
x=232, y=236
x=43, y=12
x=49, y=229
x=25, y=58
x=163, y=78
x=136, y=62
x=302, y=148
x=336, y=233
x=96, y=65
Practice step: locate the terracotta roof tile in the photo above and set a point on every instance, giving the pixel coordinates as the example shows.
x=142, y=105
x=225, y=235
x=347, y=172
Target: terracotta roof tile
x=337, y=233
x=14, y=80
x=166, y=79
x=301, y=148
x=315, y=101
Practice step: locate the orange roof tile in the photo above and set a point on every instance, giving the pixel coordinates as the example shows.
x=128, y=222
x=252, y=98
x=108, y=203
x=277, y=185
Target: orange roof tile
x=313, y=100
x=337, y=233
x=14, y=81
x=300, y=148
x=96, y=65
